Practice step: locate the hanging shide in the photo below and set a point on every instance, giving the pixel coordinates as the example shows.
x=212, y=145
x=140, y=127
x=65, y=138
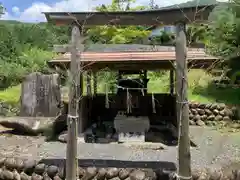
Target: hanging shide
x=153, y=104
x=129, y=102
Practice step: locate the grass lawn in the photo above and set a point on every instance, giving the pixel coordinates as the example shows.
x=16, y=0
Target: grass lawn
x=11, y=95
x=200, y=89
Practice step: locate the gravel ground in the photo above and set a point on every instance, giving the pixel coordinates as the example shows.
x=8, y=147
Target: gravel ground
x=214, y=149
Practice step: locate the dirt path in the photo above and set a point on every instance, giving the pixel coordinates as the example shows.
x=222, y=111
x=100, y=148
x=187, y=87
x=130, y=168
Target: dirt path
x=214, y=149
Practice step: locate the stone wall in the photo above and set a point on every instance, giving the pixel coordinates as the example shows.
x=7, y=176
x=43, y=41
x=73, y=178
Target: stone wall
x=201, y=114
x=16, y=169
x=7, y=109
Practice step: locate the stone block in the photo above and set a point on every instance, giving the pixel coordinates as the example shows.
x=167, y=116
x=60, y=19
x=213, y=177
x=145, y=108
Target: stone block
x=131, y=137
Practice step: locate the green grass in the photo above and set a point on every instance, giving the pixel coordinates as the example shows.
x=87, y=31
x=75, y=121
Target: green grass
x=200, y=89
x=11, y=95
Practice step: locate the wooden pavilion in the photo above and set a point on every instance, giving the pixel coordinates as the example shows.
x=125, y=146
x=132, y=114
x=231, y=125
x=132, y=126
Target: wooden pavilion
x=178, y=16
x=127, y=58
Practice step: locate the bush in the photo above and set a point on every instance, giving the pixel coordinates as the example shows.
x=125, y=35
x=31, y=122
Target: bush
x=13, y=71
x=35, y=59
x=25, y=48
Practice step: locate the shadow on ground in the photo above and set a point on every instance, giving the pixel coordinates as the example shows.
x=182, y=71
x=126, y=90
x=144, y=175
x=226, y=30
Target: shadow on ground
x=168, y=166
x=164, y=136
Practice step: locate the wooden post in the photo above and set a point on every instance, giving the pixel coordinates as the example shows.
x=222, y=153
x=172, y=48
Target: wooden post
x=89, y=88
x=119, y=75
x=171, y=77
x=81, y=108
x=88, y=100
x=145, y=81
x=81, y=82
x=95, y=83
x=74, y=91
x=184, y=155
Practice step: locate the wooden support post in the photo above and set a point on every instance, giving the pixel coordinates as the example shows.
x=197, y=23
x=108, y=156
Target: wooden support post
x=119, y=75
x=145, y=73
x=95, y=83
x=145, y=81
x=171, y=77
x=88, y=100
x=81, y=122
x=81, y=83
x=74, y=91
x=184, y=155
x=89, y=88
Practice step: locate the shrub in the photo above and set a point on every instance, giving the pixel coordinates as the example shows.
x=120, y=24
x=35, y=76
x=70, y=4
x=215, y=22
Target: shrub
x=13, y=71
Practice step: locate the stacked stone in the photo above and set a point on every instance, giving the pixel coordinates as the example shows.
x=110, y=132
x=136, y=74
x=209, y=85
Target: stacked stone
x=18, y=169
x=215, y=174
x=201, y=114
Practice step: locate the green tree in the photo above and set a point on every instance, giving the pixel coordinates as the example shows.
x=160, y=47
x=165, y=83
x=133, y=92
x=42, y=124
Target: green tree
x=163, y=38
x=117, y=34
x=197, y=33
x=25, y=48
x=2, y=10
x=224, y=34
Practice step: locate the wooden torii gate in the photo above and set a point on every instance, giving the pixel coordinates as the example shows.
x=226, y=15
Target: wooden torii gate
x=165, y=16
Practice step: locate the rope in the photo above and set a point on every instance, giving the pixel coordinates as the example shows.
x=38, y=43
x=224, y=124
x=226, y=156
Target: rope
x=106, y=98
x=121, y=87
x=72, y=117
x=153, y=104
x=182, y=102
x=142, y=90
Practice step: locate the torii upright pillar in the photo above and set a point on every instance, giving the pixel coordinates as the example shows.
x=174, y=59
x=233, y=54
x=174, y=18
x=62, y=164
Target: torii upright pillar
x=73, y=112
x=184, y=155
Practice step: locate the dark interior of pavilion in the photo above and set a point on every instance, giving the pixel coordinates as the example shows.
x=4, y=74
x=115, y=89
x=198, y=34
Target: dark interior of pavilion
x=106, y=115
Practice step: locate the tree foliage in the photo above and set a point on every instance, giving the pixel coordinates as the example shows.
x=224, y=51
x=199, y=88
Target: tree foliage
x=116, y=34
x=197, y=33
x=25, y=48
x=224, y=35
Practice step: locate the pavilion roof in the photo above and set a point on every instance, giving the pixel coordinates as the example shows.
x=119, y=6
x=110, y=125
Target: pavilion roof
x=120, y=54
